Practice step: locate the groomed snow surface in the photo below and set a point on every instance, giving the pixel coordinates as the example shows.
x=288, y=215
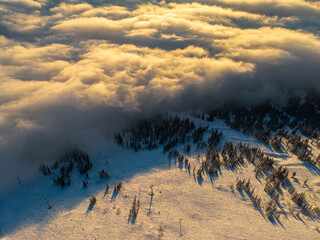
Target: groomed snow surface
x=181, y=206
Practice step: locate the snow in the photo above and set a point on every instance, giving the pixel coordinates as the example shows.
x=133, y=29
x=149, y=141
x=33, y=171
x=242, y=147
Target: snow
x=211, y=209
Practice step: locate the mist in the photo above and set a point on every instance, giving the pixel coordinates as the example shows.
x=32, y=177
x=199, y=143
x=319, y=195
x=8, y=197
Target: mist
x=73, y=72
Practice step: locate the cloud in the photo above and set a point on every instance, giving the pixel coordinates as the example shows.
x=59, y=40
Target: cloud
x=71, y=73
x=306, y=13
x=70, y=9
x=279, y=7
x=21, y=4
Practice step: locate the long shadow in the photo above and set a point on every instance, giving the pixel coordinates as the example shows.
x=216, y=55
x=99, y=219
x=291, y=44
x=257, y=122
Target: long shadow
x=194, y=177
x=258, y=177
x=173, y=161
x=280, y=192
x=275, y=221
x=115, y=194
x=300, y=219
x=185, y=165
x=280, y=223
x=278, y=153
x=200, y=180
x=313, y=169
x=90, y=207
x=282, y=210
x=287, y=185
x=307, y=186
x=258, y=208
x=263, y=174
x=212, y=177
x=151, y=198
x=241, y=193
x=106, y=191
x=311, y=216
x=180, y=165
x=169, y=163
x=296, y=180
x=238, y=165
x=133, y=220
x=187, y=168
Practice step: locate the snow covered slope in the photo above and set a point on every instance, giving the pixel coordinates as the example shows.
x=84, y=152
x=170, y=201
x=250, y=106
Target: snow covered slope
x=173, y=201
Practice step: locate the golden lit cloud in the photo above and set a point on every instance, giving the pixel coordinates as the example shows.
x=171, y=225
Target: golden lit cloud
x=29, y=4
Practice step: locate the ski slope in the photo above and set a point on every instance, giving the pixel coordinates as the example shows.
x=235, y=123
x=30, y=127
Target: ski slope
x=182, y=206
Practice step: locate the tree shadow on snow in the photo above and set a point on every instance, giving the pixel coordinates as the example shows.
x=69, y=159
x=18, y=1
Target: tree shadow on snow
x=200, y=180
x=212, y=177
x=180, y=165
x=106, y=192
x=276, y=222
x=89, y=209
x=115, y=194
x=312, y=168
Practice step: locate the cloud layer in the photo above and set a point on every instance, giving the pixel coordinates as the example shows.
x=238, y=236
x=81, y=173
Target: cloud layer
x=71, y=72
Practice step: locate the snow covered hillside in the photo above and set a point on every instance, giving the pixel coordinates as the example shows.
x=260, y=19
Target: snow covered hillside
x=216, y=183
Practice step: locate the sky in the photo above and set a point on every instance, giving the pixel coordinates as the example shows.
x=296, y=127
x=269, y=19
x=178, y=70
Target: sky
x=72, y=72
